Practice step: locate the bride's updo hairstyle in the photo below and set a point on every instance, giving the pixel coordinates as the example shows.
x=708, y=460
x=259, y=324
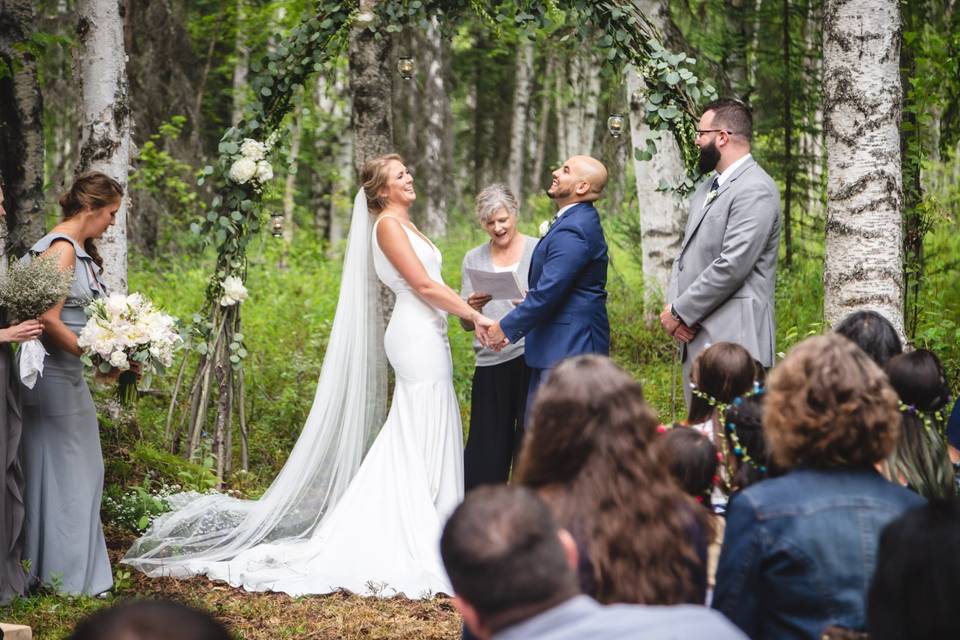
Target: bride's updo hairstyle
x=373, y=177
x=91, y=190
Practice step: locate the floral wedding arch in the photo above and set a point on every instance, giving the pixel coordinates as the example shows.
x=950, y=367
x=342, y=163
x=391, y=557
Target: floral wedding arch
x=234, y=216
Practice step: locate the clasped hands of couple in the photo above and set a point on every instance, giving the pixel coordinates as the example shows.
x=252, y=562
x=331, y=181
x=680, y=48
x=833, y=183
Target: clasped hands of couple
x=488, y=331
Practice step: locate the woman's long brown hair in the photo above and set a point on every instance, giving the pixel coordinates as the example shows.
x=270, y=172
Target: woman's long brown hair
x=92, y=190
x=589, y=452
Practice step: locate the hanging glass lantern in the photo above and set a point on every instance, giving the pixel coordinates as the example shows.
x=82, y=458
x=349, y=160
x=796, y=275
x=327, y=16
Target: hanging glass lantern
x=615, y=125
x=405, y=67
x=276, y=225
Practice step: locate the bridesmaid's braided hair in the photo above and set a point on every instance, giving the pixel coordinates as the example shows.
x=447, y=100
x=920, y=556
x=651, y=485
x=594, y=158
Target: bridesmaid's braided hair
x=93, y=190
x=373, y=177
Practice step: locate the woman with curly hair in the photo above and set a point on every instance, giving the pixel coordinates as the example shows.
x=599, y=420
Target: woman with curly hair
x=799, y=550
x=589, y=452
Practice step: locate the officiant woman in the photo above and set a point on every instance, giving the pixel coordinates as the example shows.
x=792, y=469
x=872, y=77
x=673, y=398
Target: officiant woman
x=500, y=379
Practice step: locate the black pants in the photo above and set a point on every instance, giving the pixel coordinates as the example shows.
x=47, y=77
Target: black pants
x=496, y=421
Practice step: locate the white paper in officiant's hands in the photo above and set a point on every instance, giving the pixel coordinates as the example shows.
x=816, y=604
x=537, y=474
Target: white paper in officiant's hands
x=499, y=285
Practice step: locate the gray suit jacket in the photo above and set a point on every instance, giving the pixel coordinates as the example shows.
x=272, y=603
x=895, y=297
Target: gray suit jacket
x=580, y=617
x=724, y=277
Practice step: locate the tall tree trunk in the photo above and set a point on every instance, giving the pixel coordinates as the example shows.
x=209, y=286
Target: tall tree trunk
x=662, y=212
x=788, y=167
x=543, y=113
x=370, y=89
x=862, y=109
x=577, y=104
x=518, y=127
x=105, y=133
x=241, y=66
x=21, y=130
x=435, y=166
x=290, y=184
x=735, y=49
x=343, y=189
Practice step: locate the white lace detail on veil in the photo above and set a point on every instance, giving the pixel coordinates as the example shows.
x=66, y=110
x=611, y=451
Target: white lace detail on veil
x=348, y=410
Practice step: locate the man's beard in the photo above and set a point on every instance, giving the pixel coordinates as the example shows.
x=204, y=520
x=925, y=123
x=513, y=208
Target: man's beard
x=709, y=157
x=559, y=193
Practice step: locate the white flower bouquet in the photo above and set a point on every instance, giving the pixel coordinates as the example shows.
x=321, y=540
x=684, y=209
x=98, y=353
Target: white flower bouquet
x=123, y=330
x=30, y=288
x=252, y=163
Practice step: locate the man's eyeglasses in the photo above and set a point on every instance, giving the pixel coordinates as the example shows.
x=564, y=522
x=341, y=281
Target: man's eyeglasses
x=700, y=132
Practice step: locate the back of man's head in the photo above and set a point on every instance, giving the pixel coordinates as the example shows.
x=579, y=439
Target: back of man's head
x=733, y=116
x=502, y=550
x=150, y=620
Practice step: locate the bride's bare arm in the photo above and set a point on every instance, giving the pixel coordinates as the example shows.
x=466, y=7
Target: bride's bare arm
x=396, y=246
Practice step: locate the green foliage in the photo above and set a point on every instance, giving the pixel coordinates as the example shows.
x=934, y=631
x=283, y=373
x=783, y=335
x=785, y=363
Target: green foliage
x=172, y=470
x=134, y=509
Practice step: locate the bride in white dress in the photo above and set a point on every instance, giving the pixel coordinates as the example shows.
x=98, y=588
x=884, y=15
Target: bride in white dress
x=330, y=521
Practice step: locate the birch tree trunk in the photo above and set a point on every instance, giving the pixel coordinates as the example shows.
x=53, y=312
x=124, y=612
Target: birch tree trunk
x=241, y=67
x=435, y=166
x=577, y=104
x=21, y=136
x=105, y=132
x=290, y=184
x=370, y=89
x=342, y=199
x=862, y=110
x=662, y=212
x=518, y=127
x=543, y=112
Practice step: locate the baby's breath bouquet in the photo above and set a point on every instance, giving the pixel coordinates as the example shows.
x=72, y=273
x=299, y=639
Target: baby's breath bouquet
x=32, y=286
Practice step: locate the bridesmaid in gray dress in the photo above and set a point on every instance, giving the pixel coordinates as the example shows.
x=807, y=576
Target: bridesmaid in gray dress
x=62, y=460
x=13, y=579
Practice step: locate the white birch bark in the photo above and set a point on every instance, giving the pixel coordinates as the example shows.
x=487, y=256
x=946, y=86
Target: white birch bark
x=290, y=184
x=539, y=156
x=662, y=213
x=342, y=200
x=436, y=101
x=862, y=110
x=577, y=104
x=105, y=121
x=241, y=67
x=518, y=127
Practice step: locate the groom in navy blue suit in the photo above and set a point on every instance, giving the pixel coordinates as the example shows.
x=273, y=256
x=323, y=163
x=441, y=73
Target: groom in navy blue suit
x=565, y=310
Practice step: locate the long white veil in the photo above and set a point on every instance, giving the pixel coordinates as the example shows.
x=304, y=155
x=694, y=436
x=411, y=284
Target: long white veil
x=348, y=410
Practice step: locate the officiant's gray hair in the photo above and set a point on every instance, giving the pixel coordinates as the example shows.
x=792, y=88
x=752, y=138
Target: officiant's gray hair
x=493, y=198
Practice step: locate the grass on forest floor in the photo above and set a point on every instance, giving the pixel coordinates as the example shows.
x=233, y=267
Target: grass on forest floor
x=249, y=616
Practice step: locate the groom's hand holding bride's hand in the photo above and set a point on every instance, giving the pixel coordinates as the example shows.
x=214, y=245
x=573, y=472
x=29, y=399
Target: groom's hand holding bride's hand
x=482, y=326
x=496, y=338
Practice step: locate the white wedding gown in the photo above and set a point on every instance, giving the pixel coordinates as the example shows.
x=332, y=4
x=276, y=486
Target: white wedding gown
x=381, y=535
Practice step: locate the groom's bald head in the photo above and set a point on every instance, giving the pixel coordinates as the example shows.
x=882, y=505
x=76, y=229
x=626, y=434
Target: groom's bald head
x=580, y=179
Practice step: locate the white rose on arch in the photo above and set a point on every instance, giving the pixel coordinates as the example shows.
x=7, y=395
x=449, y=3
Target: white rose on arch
x=233, y=291
x=264, y=171
x=253, y=149
x=242, y=170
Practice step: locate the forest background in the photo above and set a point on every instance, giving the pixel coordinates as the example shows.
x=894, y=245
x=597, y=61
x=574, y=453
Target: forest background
x=488, y=101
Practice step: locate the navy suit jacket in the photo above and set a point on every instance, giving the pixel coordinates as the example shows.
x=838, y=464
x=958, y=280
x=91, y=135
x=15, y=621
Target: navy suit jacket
x=565, y=311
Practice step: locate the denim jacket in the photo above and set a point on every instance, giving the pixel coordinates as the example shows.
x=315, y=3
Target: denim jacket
x=800, y=550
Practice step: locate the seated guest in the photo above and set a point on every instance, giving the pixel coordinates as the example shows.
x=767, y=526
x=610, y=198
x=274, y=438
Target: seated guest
x=798, y=551
x=513, y=572
x=953, y=441
x=751, y=461
x=915, y=587
x=873, y=333
x=589, y=453
x=722, y=372
x=150, y=620
x=693, y=462
x=920, y=460
x=501, y=378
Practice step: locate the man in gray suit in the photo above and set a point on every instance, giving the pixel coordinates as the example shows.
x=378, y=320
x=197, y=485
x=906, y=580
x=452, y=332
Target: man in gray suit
x=722, y=285
x=514, y=573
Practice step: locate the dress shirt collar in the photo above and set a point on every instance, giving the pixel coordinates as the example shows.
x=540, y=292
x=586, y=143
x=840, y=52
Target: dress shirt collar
x=729, y=171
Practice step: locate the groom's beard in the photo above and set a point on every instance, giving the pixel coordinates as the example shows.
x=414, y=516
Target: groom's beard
x=709, y=157
x=559, y=193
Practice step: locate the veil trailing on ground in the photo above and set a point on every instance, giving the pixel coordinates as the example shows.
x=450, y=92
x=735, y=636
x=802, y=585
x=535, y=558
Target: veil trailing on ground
x=348, y=410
